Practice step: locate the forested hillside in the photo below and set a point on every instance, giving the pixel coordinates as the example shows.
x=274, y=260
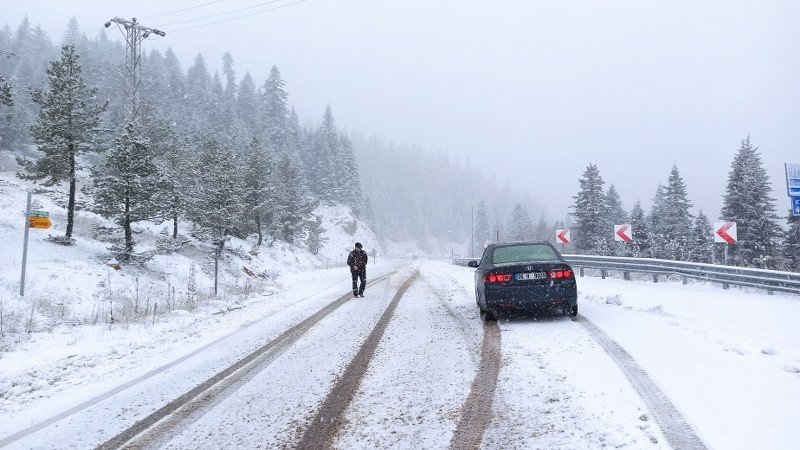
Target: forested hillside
x=194, y=125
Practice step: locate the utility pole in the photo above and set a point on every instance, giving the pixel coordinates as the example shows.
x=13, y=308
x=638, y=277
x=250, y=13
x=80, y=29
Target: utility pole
x=472, y=227
x=134, y=35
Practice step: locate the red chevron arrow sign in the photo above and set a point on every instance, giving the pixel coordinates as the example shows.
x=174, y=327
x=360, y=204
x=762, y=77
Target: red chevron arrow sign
x=562, y=236
x=623, y=232
x=725, y=232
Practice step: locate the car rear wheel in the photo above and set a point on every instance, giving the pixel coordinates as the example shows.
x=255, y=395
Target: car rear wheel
x=573, y=311
x=488, y=316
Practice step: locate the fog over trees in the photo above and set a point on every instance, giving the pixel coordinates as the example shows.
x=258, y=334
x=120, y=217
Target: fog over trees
x=226, y=152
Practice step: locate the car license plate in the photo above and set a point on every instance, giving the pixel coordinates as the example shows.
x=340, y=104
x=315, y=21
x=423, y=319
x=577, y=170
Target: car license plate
x=530, y=276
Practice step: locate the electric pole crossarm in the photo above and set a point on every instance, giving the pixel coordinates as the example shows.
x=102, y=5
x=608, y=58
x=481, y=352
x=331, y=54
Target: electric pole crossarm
x=134, y=33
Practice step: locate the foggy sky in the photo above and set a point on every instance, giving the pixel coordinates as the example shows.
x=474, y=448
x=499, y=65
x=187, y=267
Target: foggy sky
x=531, y=91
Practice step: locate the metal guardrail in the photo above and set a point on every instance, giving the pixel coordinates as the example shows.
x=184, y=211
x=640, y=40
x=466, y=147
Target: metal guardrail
x=770, y=280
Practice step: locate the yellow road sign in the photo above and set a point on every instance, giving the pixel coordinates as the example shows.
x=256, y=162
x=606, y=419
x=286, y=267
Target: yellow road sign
x=42, y=223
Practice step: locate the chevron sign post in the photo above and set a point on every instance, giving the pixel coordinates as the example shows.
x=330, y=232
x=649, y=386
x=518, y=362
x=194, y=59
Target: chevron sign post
x=623, y=233
x=725, y=232
x=563, y=237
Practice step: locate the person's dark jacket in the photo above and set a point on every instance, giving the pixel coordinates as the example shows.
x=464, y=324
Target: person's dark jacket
x=357, y=260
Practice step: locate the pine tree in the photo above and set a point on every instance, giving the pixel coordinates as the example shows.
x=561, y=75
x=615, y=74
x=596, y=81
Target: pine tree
x=791, y=246
x=247, y=105
x=274, y=100
x=543, y=231
x=175, y=89
x=482, y=230
x=66, y=127
x=316, y=235
x=702, y=241
x=640, y=247
x=197, y=102
x=32, y=51
x=348, y=178
x=222, y=117
x=658, y=225
x=677, y=221
x=6, y=93
x=747, y=202
x=589, y=212
x=259, y=194
x=229, y=123
x=172, y=158
x=520, y=226
x=72, y=36
x=296, y=144
x=323, y=161
x=125, y=184
x=369, y=214
x=615, y=214
x=216, y=204
x=293, y=207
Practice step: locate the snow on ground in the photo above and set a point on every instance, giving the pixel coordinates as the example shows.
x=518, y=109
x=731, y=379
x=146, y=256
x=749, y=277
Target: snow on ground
x=421, y=374
x=728, y=359
x=80, y=314
x=557, y=388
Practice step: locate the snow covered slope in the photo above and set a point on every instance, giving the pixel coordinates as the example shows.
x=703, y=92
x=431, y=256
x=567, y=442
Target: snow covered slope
x=74, y=285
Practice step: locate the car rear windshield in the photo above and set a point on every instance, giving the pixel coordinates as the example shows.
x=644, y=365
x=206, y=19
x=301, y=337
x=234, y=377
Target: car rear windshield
x=522, y=253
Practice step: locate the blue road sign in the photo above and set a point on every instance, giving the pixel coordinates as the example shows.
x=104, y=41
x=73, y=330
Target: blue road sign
x=793, y=179
x=796, y=206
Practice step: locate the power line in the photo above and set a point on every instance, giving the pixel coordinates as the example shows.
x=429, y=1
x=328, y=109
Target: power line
x=238, y=17
x=221, y=14
x=181, y=10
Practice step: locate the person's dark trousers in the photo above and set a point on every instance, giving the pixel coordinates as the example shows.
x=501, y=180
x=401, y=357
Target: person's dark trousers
x=362, y=274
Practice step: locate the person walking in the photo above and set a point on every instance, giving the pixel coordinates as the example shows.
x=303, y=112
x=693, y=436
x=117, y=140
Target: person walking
x=357, y=260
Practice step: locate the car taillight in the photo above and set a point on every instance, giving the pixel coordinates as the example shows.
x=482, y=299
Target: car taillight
x=561, y=273
x=497, y=278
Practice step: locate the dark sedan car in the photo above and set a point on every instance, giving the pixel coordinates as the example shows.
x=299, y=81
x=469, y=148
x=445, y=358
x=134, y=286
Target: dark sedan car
x=525, y=276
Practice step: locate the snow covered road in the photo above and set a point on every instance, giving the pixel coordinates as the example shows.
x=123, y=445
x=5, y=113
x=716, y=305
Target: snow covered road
x=437, y=377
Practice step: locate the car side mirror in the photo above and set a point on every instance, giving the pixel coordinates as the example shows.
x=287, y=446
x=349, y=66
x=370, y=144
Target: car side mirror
x=472, y=263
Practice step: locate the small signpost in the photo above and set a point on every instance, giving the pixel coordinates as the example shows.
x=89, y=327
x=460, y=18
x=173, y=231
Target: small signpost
x=793, y=179
x=563, y=237
x=725, y=232
x=39, y=220
x=793, y=186
x=623, y=233
x=33, y=219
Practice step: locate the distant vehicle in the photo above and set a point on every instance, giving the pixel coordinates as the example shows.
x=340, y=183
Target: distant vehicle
x=526, y=277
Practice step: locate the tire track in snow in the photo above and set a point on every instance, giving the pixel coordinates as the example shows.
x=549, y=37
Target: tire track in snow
x=330, y=416
x=677, y=431
x=194, y=403
x=157, y=371
x=477, y=410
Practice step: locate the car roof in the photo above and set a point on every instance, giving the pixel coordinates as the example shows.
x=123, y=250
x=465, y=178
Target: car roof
x=513, y=244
